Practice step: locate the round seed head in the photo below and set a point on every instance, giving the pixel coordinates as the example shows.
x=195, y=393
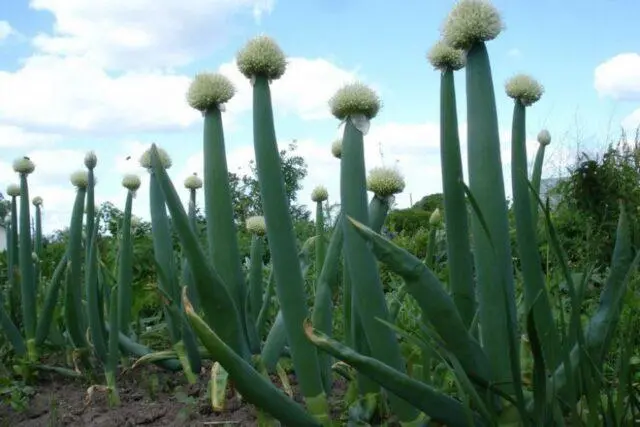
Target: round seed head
x=524, y=88
x=471, y=22
x=256, y=225
x=209, y=90
x=193, y=182
x=80, y=178
x=444, y=57
x=23, y=165
x=544, y=137
x=13, y=190
x=90, y=160
x=336, y=148
x=145, y=159
x=385, y=182
x=435, y=217
x=355, y=98
x=319, y=194
x=37, y=201
x=131, y=182
x=261, y=56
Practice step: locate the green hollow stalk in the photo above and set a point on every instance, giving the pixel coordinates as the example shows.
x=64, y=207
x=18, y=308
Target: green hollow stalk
x=368, y=389
x=167, y=279
x=96, y=325
x=113, y=350
x=73, y=309
x=14, y=262
x=125, y=268
x=45, y=320
x=535, y=292
x=494, y=265
x=37, y=245
x=362, y=267
x=536, y=178
x=261, y=322
x=455, y=208
x=221, y=228
x=27, y=279
x=163, y=253
x=218, y=305
x=378, y=210
x=321, y=317
x=255, y=277
x=320, y=243
x=282, y=242
x=187, y=275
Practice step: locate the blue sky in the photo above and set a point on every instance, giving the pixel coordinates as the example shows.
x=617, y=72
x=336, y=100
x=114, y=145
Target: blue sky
x=111, y=76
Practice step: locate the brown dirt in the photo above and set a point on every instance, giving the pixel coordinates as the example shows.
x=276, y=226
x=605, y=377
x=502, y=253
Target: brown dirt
x=149, y=397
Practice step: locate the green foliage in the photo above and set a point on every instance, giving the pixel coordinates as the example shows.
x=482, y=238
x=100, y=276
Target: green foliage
x=587, y=213
x=430, y=202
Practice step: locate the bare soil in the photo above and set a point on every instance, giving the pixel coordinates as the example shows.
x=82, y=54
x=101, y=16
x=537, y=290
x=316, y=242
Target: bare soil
x=149, y=397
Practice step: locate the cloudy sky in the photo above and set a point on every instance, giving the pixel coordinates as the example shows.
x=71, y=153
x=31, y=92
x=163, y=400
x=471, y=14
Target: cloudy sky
x=111, y=76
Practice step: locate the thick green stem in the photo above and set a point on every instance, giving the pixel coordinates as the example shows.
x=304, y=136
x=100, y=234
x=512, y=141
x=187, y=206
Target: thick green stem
x=37, y=246
x=125, y=269
x=323, y=304
x=494, y=265
x=27, y=283
x=187, y=275
x=255, y=277
x=221, y=227
x=455, y=207
x=536, y=178
x=320, y=243
x=73, y=310
x=535, y=292
x=362, y=266
x=282, y=242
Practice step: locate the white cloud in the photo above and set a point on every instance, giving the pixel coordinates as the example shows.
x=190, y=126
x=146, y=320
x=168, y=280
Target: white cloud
x=138, y=33
x=74, y=94
x=14, y=137
x=5, y=30
x=619, y=77
x=632, y=121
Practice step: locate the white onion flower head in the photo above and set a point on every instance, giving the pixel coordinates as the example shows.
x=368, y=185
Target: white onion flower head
x=209, y=90
x=165, y=159
x=13, y=190
x=80, y=179
x=445, y=57
x=319, y=194
x=353, y=99
x=336, y=148
x=471, y=22
x=90, y=160
x=256, y=225
x=544, y=137
x=524, y=88
x=261, y=56
x=385, y=182
x=435, y=218
x=131, y=182
x=193, y=182
x=37, y=201
x=24, y=165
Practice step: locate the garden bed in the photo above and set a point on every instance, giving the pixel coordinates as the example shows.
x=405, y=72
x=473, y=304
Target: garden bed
x=149, y=397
